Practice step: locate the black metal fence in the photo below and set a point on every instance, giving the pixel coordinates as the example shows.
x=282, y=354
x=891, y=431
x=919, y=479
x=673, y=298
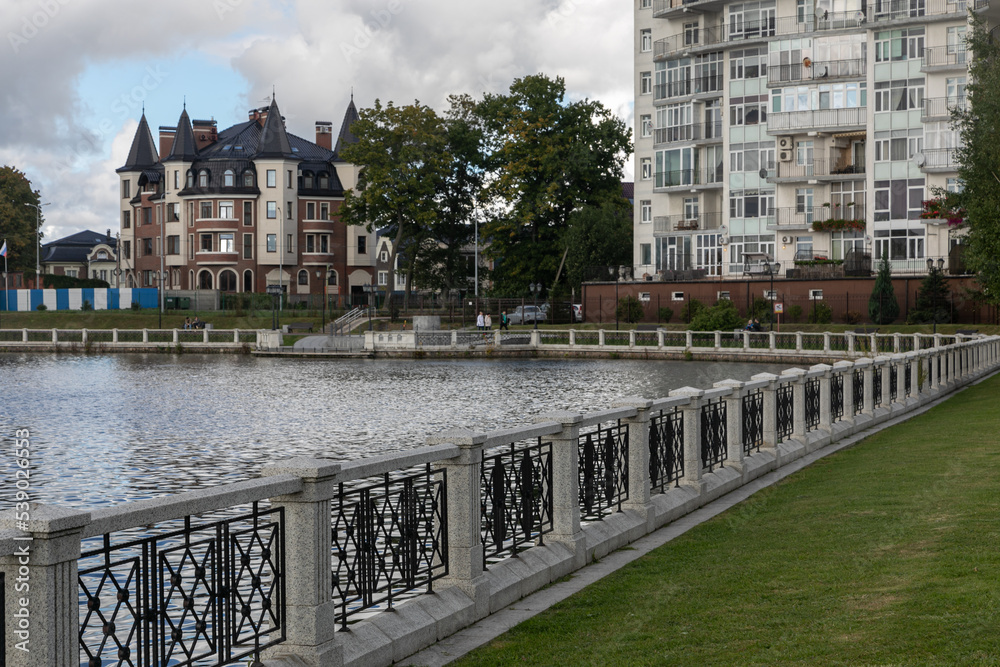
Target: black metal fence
x=714, y=443
x=812, y=404
x=208, y=594
x=877, y=387
x=859, y=391
x=753, y=421
x=908, y=379
x=603, y=470
x=893, y=389
x=389, y=539
x=516, y=503
x=784, y=414
x=837, y=397
x=666, y=449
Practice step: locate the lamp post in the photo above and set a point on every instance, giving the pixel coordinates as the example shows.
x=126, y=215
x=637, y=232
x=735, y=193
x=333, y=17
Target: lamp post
x=535, y=288
x=38, y=241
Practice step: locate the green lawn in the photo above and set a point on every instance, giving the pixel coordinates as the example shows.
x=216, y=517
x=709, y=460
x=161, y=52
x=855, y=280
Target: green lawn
x=884, y=554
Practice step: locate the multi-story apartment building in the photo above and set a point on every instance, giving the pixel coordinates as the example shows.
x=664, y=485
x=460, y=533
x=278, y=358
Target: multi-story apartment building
x=795, y=128
x=241, y=209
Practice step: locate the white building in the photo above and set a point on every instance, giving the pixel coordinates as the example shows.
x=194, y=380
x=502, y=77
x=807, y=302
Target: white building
x=757, y=120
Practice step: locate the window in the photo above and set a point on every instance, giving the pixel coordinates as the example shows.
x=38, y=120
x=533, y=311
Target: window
x=310, y=243
x=248, y=214
x=190, y=246
x=126, y=189
x=383, y=278
x=190, y=178
x=645, y=211
x=324, y=181
x=173, y=212
x=288, y=243
x=899, y=95
x=645, y=4
x=177, y=179
x=816, y=294
x=203, y=179
x=646, y=125
x=288, y=179
x=248, y=246
x=645, y=40
x=362, y=245
x=288, y=211
x=227, y=242
x=956, y=42
x=229, y=178
x=248, y=179
x=303, y=277
x=324, y=243
x=190, y=214
x=646, y=168
x=127, y=249
x=206, y=243
x=324, y=211
x=272, y=243
x=173, y=245
x=307, y=180
x=126, y=219
x=226, y=210
x=677, y=296
x=272, y=210
x=646, y=83
x=206, y=210
x=645, y=254
x=899, y=44
x=147, y=216
x=310, y=211
x=272, y=178
x=898, y=199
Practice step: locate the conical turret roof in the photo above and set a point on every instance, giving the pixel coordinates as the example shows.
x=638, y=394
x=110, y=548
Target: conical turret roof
x=347, y=137
x=184, y=148
x=274, y=140
x=143, y=154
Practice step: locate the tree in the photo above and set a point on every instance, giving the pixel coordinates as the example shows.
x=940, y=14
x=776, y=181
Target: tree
x=932, y=300
x=546, y=158
x=979, y=158
x=723, y=316
x=598, y=236
x=403, y=159
x=882, y=305
x=17, y=221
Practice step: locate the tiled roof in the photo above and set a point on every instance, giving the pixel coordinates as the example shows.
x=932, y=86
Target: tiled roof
x=347, y=137
x=184, y=148
x=143, y=153
x=274, y=142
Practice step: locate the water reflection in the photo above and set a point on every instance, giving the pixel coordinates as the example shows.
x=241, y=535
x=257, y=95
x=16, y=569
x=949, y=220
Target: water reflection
x=107, y=429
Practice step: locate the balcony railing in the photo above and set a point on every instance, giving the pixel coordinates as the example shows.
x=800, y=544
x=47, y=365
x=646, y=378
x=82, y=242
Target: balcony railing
x=719, y=34
x=695, y=86
x=939, y=158
x=817, y=71
x=804, y=216
x=694, y=132
x=941, y=107
x=854, y=117
x=687, y=177
x=667, y=224
x=820, y=167
x=945, y=56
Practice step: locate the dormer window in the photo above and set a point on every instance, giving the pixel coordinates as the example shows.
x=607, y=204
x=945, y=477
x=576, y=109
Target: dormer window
x=324, y=181
x=248, y=179
x=307, y=180
x=203, y=178
x=190, y=179
x=229, y=179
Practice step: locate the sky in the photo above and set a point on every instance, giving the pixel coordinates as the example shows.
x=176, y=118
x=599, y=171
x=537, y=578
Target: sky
x=76, y=74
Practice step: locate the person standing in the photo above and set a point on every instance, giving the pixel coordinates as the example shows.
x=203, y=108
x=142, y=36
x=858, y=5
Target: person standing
x=480, y=321
x=488, y=322
x=504, y=321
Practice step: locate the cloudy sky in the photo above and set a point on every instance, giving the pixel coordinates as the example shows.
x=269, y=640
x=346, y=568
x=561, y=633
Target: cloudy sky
x=76, y=73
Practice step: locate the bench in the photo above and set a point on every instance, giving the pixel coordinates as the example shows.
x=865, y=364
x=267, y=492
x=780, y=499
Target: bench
x=967, y=332
x=299, y=326
x=647, y=327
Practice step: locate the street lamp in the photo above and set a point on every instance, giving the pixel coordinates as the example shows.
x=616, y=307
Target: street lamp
x=535, y=290
x=38, y=241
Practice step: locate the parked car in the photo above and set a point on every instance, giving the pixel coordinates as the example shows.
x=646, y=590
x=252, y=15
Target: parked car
x=578, y=312
x=527, y=315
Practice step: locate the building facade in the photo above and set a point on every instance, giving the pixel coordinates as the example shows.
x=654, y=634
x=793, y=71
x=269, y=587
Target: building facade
x=85, y=254
x=795, y=130
x=240, y=209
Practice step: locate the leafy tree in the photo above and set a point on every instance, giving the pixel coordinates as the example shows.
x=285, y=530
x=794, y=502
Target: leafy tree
x=598, y=236
x=882, y=305
x=932, y=301
x=547, y=158
x=723, y=316
x=820, y=313
x=629, y=309
x=691, y=310
x=17, y=221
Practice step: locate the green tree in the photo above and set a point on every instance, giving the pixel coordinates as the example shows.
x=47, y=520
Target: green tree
x=882, y=305
x=723, y=316
x=932, y=300
x=547, y=158
x=629, y=309
x=17, y=221
x=404, y=161
x=598, y=236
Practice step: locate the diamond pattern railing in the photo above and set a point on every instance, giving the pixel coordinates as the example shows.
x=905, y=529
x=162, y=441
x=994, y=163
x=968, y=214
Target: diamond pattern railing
x=753, y=422
x=603, y=471
x=666, y=449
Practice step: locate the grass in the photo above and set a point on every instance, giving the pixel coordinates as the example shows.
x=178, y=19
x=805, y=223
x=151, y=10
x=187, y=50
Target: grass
x=884, y=554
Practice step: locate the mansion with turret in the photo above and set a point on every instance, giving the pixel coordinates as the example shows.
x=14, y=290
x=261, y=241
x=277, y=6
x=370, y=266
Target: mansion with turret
x=242, y=208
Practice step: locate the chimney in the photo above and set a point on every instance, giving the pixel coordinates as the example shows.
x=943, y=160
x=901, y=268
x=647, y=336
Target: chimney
x=167, y=135
x=205, y=132
x=259, y=115
x=109, y=236
x=324, y=134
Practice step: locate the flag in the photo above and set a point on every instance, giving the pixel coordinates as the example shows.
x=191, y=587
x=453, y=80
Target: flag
x=3, y=250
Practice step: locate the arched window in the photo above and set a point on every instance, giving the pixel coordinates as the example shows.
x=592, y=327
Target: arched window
x=303, y=277
x=307, y=180
x=190, y=179
x=248, y=281
x=248, y=179
x=324, y=180
x=227, y=281
x=229, y=178
x=205, y=280
x=332, y=278
x=203, y=178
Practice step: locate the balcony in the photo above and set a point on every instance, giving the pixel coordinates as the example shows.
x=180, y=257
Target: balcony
x=840, y=167
x=937, y=160
x=696, y=38
x=696, y=132
x=940, y=108
x=795, y=218
x=701, y=85
x=944, y=58
x=821, y=119
x=688, y=178
x=816, y=71
x=665, y=7
x=669, y=224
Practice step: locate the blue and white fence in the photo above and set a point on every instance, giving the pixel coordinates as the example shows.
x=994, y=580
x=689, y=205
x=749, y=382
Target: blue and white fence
x=101, y=298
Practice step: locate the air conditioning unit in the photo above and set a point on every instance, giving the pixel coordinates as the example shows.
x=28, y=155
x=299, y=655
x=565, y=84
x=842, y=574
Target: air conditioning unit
x=784, y=143
x=785, y=156
x=786, y=239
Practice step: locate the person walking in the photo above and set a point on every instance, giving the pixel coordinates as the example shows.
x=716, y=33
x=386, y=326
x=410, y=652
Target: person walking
x=480, y=321
x=504, y=321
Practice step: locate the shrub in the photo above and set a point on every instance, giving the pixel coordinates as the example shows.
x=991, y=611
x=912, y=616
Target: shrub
x=723, y=316
x=135, y=306
x=882, y=305
x=853, y=317
x=795, y=313
x=691, y=310
x=41, y=306
x=821, y=313
x=629, y=309
x=86, y=305
x=665, y=314
x=761, y=310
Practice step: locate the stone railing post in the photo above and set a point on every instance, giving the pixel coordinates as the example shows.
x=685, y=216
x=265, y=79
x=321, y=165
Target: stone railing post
x=850, y=342
x=885, y=363
x=688, y=340
x=734, y=424
x=454, y=338
x=899, y=363
x=846, y=370
x=869, y=374
x=572, y=336
x=465, y=542
x=915, y=360
x=114, y=335
x=638, y=459
x=24, y=335
x=145, y=335
x=825, y=390
x=933, y=369
x=772, y=341
x=895, y=342
x=83, y=336
x=798, y=401
x=536, y=338
x=718, y=340
x=47, y=624
x=600, y=337
x=204, y=335
x=798, y=341
x=176, y=337
x=566, y=485
x=692, y=438
x=770, y=409
x=236, y=336
x=659, y=338
x=310, y=614
x=826, y=341
x=631, y=338
x=55, y=336
x=746, y=340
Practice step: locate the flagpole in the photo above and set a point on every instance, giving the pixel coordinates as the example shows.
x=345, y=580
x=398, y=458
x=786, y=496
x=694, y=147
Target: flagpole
x=6, y=299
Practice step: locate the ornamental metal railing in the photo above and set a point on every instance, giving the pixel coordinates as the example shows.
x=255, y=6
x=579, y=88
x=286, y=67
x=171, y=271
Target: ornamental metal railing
x=666, y=449
x=877, y=387
x=603, y=470
x=783, y=408
x=516, y=498
x=893, y=389
x=908, y=379
x=812, y=404
x=753, y=421
x=389, y=539
x=837, y=397
x=858, y=391
x=207, y=593
x=714, y=441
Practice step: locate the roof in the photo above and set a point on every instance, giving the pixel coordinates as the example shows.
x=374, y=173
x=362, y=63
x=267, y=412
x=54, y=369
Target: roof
x=76, y=247
x=347, y=137
x=274, y=142
x=628, y=190
x=143, y=153
x=184, y=148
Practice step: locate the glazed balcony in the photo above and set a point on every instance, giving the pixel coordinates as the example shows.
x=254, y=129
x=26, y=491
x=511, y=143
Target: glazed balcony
x=940, y=108
x=664, y=8
x=670, y=224
x=688, y=178
x=701, y=85
x=707, y=132
x=697, y=38
x=831, y=120
x=817, y=71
